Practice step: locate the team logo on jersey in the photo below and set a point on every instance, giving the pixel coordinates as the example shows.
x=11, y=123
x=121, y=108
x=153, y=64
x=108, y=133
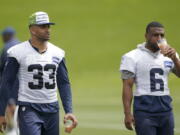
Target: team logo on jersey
x=55, y=60
x=168, y=64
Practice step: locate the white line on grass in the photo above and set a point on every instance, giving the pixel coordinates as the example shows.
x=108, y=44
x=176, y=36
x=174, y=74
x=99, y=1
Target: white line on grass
x=109, y=126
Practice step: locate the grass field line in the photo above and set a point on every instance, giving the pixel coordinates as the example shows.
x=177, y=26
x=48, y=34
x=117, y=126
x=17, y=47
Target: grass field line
x=109, y=126
x=101, y=126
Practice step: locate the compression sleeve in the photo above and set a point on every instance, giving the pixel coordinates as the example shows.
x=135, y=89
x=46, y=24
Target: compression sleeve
x=9, y=76
x=64, y=87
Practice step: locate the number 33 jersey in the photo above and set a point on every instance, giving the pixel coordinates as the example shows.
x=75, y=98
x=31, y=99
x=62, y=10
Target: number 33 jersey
x=37, y=72
x=151, y=71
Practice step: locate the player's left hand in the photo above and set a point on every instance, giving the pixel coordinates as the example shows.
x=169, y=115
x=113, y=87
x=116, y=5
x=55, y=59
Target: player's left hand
x=70, y=116
x=170, y=52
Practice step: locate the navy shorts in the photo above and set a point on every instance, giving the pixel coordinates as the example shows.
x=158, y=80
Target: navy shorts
x=32, y=122
x=154, y=125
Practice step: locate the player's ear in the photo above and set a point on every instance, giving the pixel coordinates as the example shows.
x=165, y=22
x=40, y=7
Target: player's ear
x=146, y=35
x=31, y=30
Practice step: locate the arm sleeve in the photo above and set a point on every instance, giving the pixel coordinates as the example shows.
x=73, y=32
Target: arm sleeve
x=64, y=87
x=127, y=74
x=9, y=76
x=128, y=64
x=2, y=61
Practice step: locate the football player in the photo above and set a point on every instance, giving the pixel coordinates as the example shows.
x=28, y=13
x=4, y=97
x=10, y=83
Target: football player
x=148, y=68
x=41, y=68
x=9, y=39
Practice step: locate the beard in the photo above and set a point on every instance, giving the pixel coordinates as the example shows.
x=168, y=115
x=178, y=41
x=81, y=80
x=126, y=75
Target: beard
x=154, y=46
x=43, y=38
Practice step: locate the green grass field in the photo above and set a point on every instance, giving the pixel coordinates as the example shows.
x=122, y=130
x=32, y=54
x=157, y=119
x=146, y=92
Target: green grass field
x=95, y=34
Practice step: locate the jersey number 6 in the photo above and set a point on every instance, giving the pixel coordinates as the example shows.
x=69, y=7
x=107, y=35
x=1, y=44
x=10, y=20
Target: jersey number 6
x=154, y=82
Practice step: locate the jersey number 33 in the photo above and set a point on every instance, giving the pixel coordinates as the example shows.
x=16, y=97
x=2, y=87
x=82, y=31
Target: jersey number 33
x=51, y=68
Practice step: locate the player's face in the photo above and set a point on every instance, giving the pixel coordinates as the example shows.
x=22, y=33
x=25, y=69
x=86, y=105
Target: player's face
x=154, y=34
x=41, y=32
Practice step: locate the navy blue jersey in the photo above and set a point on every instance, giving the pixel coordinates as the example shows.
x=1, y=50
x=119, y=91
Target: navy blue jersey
x=3, y=59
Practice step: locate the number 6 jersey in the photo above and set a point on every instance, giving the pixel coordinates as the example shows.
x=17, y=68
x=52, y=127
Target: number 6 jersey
x=37, y=72
x=151, y=71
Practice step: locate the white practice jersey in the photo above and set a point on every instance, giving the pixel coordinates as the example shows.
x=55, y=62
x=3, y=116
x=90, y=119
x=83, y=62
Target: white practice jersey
x=37, y=72
x=151, y=71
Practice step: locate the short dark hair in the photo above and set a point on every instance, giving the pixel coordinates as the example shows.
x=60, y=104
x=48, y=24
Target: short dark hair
x=153, y=24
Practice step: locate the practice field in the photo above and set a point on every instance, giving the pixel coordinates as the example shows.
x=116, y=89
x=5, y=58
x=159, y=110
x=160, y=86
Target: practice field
x=95, y=34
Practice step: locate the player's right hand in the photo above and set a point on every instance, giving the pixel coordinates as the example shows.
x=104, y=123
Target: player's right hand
x=129, y=121
x=2, y=124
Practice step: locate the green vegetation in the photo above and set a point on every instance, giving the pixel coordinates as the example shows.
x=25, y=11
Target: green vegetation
x=95, y=34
